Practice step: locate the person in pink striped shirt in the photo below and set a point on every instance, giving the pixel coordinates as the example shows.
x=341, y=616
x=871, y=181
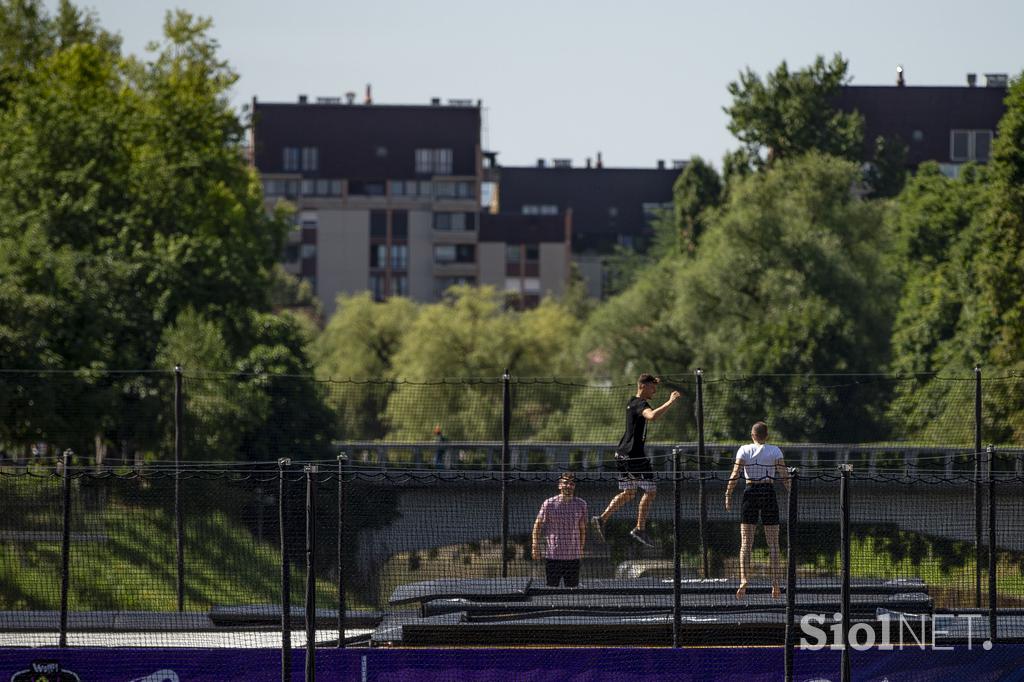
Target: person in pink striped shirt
x=562, y=521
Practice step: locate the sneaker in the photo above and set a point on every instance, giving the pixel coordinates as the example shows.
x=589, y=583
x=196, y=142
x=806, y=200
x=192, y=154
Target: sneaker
x=598, y=526
x=641, y=537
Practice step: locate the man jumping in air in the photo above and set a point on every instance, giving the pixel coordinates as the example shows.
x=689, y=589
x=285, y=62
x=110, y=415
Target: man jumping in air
x=635, y=470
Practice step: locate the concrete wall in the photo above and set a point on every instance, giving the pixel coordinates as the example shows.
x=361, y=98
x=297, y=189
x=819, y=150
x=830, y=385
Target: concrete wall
x=421, y=256
x=343, y=255
x=491, y=260
x=554, y=268
x=591, y=269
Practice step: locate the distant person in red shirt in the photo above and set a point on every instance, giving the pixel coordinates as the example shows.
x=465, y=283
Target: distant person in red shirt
x=635, y=470
x=562, y=522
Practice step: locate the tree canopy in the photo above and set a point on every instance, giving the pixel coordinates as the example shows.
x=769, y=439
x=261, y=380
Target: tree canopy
x=789, y=113
x=126, y=212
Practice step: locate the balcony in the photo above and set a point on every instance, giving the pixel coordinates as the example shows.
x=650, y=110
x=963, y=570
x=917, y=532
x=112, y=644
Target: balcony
x=455, y=269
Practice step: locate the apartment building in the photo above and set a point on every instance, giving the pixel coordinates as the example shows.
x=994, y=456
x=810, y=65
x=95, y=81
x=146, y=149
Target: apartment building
x=387, y=198
x=609, y=207
x=947, y=124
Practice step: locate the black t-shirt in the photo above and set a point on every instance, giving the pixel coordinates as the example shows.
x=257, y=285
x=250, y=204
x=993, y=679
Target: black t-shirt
x=632, y=442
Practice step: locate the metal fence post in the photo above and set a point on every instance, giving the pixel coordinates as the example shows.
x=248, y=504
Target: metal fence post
x=286, y=580
x=844, y=534
x=179, y=446
x=791, y=562
x=506, y=427
x=702, y=500
x=342, y=615
x=65, y=548
x=310, y=470
x=977, y=486
x=992, y=613
x=677, y=532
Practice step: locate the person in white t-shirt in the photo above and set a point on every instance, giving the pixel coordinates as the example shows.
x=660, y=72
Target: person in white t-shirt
x=760, y=464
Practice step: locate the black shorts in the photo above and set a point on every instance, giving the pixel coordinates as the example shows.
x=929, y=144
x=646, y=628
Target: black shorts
x=759, y=502
x=562, y=569
x=635, y=472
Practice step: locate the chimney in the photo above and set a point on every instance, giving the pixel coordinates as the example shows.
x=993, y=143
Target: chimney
x=435, y=101
x=996, y=80
x=540, y=163
x=369, y=97
x=303, y=99
x=600, y=163
x=661, y=164
x=350, y=97
x=588, y=162
x=972, y=80
x=899, y=76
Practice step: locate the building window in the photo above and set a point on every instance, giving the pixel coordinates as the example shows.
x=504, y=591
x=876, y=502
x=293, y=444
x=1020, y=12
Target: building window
x=379, y=224
x=454, y=222
x=982, y=145
x=540, y=209
x=399, y=256
x=308, y=251
x=291, y=158
x=454, y=190
x=454, y=253
x=527, y=285
x=442, y=284
x=378, y=255
x=377, y=287
x=513, y=254
x=654, y=209
x=434, y=161
x=400, y=285
x=369, y=188
x=310, y=159
x=399, y=224
x=970, y=145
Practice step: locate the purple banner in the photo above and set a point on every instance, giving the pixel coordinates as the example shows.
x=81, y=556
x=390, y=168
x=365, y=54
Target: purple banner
x=1002, y=662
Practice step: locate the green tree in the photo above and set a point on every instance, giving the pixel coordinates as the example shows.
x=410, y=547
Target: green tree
x=697, y=191
x=790, y=113
x=454, y=354
x=789, y=281
x=124, y=203
x=355, y=354
x=961, y=301
x=887, y=172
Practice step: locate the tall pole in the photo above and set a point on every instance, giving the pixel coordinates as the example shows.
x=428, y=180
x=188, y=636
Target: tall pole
x=977, y=486
x=677, y=532
x=702, y=500
x=179, y=445
x=844, y=534
x=990, y=452
x=342, y=465
x=506, y=427
x=310, y=470
x=791, y=561
x=65, y=548
x=286, y=579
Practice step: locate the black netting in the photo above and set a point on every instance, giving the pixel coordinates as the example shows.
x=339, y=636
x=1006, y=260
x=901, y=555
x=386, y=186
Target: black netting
x=419, y=552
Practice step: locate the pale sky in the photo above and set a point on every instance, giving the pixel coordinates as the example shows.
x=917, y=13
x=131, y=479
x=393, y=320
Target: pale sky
x=637, y=81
